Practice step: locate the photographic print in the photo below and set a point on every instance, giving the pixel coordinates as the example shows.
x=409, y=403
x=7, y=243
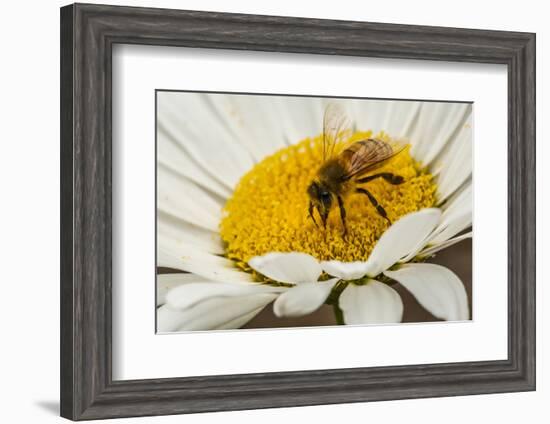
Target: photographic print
x=296, y=211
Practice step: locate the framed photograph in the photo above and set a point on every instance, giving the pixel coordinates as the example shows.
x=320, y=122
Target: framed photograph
x=262, y=211
x=310, y=204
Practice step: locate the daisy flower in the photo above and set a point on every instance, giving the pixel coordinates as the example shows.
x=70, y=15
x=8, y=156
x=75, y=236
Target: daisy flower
x=233, y=223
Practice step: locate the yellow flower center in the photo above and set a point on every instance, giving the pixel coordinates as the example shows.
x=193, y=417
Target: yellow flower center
x=268, y=211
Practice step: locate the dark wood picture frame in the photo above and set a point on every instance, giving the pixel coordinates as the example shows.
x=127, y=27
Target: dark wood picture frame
x=88, y=33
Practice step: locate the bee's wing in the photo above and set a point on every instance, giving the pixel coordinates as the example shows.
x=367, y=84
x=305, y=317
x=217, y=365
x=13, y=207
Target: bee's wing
x=364, y=156
x=336, y=128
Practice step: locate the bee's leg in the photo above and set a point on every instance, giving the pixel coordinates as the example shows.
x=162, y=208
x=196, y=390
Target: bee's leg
x=311, y=214
x=375, y=203
x=343, y=215
x=390, y=178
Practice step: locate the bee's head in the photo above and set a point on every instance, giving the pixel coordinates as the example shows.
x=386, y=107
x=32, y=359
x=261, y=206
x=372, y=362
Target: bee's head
x=320, y=197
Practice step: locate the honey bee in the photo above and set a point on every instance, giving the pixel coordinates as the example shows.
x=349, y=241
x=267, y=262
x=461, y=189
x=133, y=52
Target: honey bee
x=340, y=175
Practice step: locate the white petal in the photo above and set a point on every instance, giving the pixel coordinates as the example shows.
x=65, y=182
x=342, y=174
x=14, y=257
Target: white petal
x=254, y=119
x=434, y=249
x=213, y=314
x=189, y=295
x=225, y=312
x=293, y=267
x=172, y=231
x=456, y=217
x=373, y=303
x=204, y=305
x=209, y=266
x=393, y=117
x=435, y=127
x=463, y=194
x=180, y=197
x=367, y=114
x=436, y=288
x=171, y=155
x=300, y=117
x=303, y=298
x=401, y=117
x=345, y=270
x=166, y=282
x=454, y=166
x=169, y=319
x=240, y=320
x=189, y=119
x=405, y=236
x=189, y=253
